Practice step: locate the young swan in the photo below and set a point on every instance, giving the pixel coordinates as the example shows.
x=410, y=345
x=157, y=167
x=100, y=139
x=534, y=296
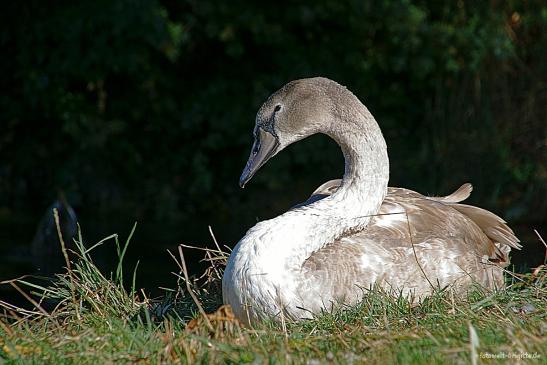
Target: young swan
x=356, y=233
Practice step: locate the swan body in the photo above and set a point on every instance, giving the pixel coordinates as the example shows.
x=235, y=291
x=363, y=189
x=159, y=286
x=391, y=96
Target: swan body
x=353, y=233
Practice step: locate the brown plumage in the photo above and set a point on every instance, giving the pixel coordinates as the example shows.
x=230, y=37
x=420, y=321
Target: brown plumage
x=415, y=232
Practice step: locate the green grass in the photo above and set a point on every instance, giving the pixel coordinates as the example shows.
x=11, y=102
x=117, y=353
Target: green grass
x=101, y=320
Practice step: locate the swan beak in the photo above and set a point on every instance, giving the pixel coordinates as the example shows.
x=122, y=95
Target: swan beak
x=264, y=147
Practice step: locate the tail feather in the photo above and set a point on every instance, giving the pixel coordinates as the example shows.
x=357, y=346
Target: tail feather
x=459, y=195
x=492, y=225
x=495, y=228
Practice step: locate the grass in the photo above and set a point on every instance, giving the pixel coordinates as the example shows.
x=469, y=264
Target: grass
x=98, y=319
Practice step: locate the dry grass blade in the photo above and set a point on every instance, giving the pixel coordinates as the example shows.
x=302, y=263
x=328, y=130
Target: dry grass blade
x=212, y=258
x=214, y=239
x=68, y=267
x=544, y=244
x=473, y=344
x=414, y=252
x=27, y=297
x=218, y=253
x=20, y=278
x=184, y=271
x=216, y=258
x=15, y=311
x=540, y=238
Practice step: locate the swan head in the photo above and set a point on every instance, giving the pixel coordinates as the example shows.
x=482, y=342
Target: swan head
x=297, y=110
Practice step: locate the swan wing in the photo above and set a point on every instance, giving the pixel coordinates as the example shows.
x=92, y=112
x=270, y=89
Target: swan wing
x=494, y=227
x=414, y=244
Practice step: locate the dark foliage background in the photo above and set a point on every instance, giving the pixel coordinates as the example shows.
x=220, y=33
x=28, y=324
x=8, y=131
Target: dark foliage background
x=143, y=110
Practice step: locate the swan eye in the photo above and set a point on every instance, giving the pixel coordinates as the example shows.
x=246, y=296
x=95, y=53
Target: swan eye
x=277, y=108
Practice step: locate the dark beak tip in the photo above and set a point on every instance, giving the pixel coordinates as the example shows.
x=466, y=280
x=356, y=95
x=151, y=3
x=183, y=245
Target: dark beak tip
x=243, y=180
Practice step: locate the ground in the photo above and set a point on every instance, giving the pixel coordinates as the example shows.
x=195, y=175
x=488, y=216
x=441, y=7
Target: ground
x=99, y=320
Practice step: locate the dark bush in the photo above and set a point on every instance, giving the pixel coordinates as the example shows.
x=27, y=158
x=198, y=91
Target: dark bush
x=147, y=106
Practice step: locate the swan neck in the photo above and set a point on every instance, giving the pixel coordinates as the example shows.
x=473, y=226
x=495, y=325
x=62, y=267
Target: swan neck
x=366, y=170
x=363, y=188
